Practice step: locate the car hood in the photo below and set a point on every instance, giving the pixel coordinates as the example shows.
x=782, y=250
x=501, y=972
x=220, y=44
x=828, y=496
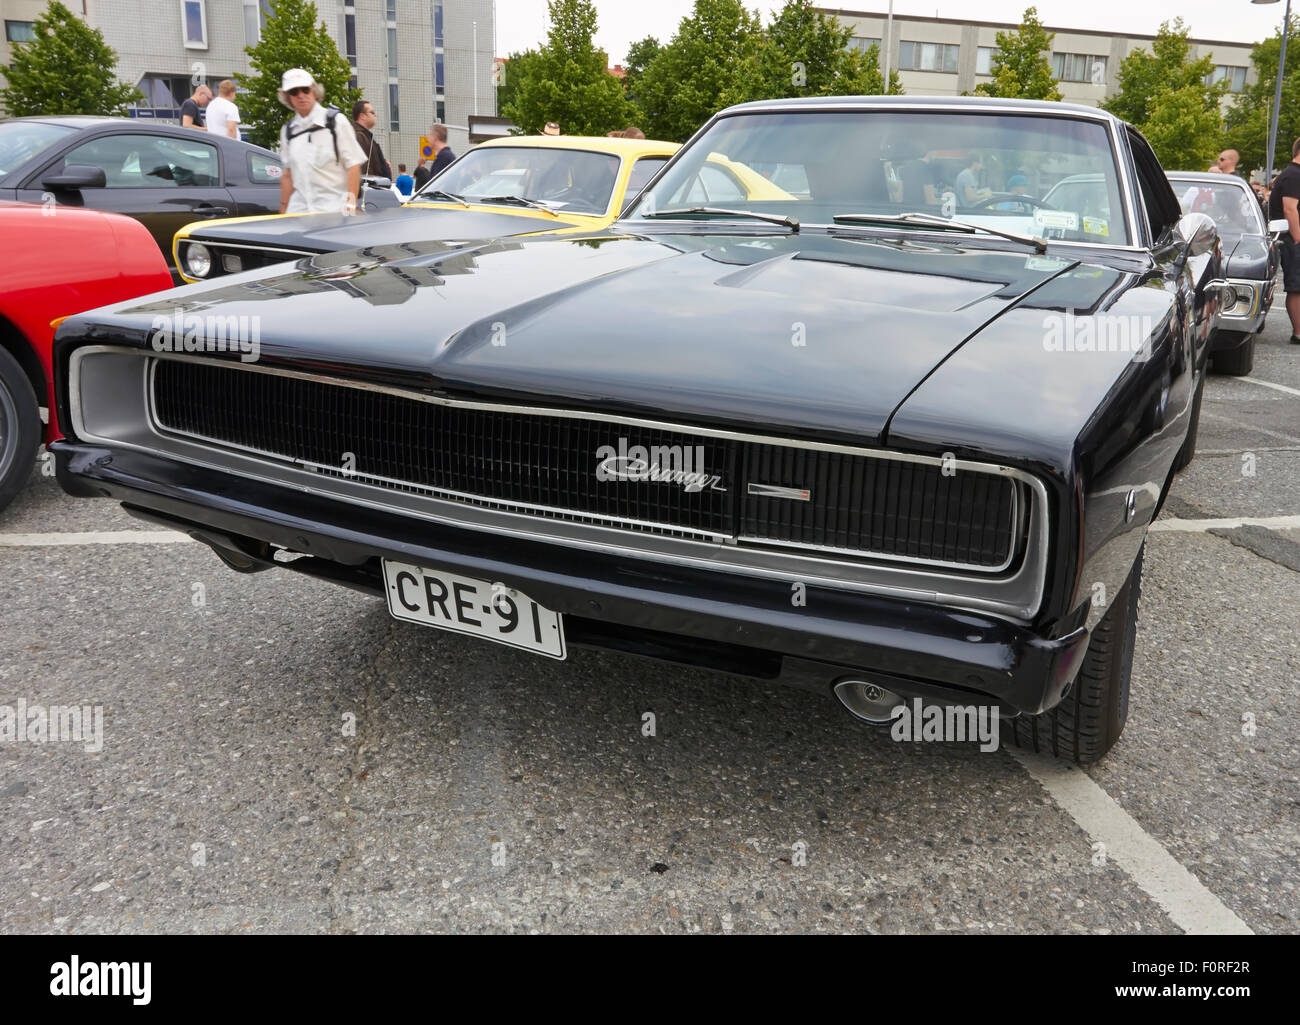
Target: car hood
x=808, y=334
x=328, y=233
x=1245, y=256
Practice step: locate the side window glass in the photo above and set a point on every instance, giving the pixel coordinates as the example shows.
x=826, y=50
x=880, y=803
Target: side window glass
x=149, y=161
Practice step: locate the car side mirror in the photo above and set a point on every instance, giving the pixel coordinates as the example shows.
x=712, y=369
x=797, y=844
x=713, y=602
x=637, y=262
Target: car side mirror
x=74, y=177
x=1279, y=226
x=375, y=181
x=1197, y=234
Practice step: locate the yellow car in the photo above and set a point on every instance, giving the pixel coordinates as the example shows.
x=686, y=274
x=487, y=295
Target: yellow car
x=521, y=185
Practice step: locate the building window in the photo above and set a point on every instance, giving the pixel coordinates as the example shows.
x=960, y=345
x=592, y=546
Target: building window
x=1233, y=74
x=392, y=53
x=1079, y=67
x=394, y=121
x=255, y=14
x=984, y=59
x=439, y=74
x=928, y=56
x=350, y=35
x=20, y=31
x=391, y=12
x=862, y=43
x=194, y=24
x=440, y=106
x=437, y=22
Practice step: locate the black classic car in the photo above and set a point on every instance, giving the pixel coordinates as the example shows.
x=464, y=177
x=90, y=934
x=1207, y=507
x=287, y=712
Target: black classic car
x=163, y=175
x=843, y=438
x=1250, y=259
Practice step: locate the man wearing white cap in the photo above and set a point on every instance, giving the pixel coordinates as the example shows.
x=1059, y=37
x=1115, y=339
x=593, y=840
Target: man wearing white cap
x=322, y=161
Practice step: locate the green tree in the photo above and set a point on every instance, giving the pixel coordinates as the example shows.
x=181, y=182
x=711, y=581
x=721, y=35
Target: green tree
x=806, y=53
x=1182, y=129
x=569, y=80
x=66, y=69
x=693, y=76
x=1164, y=94
x=517, y=67
x=1249, y=119
x=294, y=37
x=1020, y=67
x=639, y=56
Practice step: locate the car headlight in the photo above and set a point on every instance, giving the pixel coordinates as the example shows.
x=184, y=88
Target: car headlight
x=198, y=260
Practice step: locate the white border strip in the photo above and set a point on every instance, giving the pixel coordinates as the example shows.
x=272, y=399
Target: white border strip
x=1270, y=384
x=1173, y=523
x=1182, y=896
x=94, y=537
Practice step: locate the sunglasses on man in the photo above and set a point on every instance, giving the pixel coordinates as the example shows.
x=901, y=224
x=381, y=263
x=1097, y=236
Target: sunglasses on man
x=298, y=89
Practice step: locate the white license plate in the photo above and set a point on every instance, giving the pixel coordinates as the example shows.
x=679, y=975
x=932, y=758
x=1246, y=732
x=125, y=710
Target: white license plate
x=433, y=597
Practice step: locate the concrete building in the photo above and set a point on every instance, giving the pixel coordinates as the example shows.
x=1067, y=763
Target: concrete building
x=417, y=61
x=947, y=56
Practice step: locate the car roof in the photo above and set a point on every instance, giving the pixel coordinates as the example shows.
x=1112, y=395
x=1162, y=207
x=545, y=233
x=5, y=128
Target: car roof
x=599, y=143
x=1209, y=177
x=85, y=121
x=956, y=103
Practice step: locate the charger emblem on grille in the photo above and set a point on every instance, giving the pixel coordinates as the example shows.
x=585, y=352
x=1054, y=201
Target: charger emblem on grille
x=773, y=491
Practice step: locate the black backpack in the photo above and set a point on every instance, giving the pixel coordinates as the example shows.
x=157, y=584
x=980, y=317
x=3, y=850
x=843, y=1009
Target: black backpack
x=330, y=114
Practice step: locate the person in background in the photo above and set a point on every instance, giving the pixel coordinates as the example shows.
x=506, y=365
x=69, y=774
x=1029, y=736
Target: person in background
x=551, y=128
x=968, y=191
x=222, y=116
x=192, y=109
x=1284, y=203
x=322, y=161
x=616, y=134
x=443, y=157
x=1227, y=162
x=363, y=124
x=422, y=174
x=632, y=132
x=404, y=182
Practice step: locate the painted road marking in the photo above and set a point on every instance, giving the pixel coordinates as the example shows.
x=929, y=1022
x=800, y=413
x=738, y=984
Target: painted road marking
x=94, y=537
x=1182, y=896
x=1173, y=523
x=1270, y=384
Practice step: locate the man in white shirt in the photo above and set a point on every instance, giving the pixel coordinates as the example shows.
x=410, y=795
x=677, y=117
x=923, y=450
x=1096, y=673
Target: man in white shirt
x=322, y=161
x=222, y=116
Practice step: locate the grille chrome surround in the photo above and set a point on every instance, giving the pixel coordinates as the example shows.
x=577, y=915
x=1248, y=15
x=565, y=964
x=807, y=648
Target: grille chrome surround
x=108, y=386
x=520, y=460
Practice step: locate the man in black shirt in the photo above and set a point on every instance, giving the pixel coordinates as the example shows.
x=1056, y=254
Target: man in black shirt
x=442, y=154
x=192, y=109
x=1284, y=204
x=421, y=174
x=363, y=124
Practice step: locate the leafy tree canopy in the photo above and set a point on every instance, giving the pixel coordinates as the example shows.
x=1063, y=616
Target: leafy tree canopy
x=1021, y=68
x=66, y=69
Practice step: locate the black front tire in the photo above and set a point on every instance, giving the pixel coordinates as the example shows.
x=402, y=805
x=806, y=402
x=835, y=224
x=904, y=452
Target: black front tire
x=1238, y=361
x=1091, y=716
x=20, y=428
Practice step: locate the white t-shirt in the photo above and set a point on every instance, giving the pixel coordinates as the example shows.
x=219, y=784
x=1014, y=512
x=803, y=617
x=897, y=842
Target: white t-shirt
x=220, y=111
x=320, y=181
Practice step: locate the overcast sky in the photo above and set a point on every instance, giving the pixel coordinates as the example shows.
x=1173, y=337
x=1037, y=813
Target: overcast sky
x=522, y=23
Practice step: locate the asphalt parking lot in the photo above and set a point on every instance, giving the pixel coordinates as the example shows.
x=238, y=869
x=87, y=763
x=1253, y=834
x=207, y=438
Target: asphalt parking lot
x=280, y=755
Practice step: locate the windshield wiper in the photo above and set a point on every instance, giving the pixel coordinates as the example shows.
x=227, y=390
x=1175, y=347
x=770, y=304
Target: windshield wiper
x=931, y=221
x=521, y=201
x=442, y=192
x=788, y=222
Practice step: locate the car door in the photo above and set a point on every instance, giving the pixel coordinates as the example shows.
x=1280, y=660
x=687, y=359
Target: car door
x=163, y=181
x=253, y=178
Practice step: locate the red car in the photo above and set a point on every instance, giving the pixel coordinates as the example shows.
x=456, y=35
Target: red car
x=56, y=261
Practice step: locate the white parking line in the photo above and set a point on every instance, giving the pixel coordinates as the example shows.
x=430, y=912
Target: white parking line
x=94, y=537
x=1184, y=898
x=1173, y=523
x=1270, y=384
